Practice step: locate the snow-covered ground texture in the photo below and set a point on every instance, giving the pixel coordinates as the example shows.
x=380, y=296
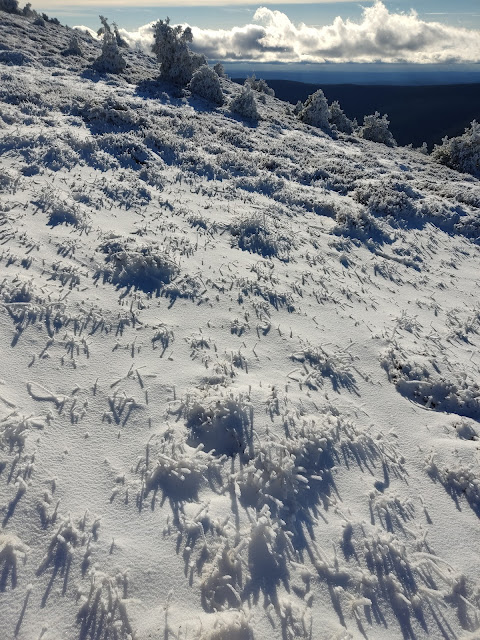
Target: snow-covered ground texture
x=239, y=392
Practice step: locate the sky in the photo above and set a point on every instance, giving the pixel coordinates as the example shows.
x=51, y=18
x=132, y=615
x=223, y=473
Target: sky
x=402, y=32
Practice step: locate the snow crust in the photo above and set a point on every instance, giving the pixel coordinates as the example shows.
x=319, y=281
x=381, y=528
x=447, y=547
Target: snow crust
x=239, y=390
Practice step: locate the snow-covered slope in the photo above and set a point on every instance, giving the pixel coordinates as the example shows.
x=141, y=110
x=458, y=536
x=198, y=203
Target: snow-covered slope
x=239, y=391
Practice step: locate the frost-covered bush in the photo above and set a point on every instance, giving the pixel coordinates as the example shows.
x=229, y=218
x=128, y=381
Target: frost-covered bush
x=10, y=6
x=258, y=84
x=375, y=128
x=111, y=60
x=206, y=84
x=244, y=104
x=73, y=47
x=461, y=153
x=388, y=198
x=315, y=111
x=219, y=70
x=27, y=10
x=298, y=107
x=177, y=62
x=338, y=118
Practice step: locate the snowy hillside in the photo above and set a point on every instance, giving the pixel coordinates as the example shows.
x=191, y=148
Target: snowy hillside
x=239, y=380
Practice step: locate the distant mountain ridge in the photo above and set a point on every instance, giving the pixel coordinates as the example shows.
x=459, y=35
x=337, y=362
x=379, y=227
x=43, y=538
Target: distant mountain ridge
x=417, y=113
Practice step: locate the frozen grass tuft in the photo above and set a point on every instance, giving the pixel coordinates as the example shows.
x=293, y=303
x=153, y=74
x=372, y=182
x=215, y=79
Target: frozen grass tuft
x=417, y=378
x=220, y=423
x=258, y=234
x=137, y=266
x=103, y=608
x=12, y=549
x=459, y=480
x=178, y=469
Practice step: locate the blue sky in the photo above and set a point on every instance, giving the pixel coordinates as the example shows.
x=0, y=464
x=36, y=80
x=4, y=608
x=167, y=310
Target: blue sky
x=400, y=41
x=463, y=13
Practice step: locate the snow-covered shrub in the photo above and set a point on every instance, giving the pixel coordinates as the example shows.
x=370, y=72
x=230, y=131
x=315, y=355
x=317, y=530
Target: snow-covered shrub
x=111, y=60
x=315, y=111
x=259, y=85
x=177, y=62
x=206, y=84
x=8, y=181
x=74, y=48
x=10, y=6
x=388, y=198
x=356, y=223
x=375, y=128
x=219, y=70
x=298, y=107
x=141, y=266
x=461, y=153
x=338, y=118
x=244, y=104
x=27, y=10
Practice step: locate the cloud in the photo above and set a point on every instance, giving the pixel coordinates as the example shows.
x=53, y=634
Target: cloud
x=380, y=36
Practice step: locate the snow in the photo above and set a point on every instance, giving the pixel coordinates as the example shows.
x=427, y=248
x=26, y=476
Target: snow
x=239, y=392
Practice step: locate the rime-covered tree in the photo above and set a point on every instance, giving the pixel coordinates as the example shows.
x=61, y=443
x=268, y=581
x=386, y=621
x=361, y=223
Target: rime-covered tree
x=315, y=111
x=337, y=117
x=375, y=128
x=258, y=84
x=10, y=6
x=73, y=47
x=177, y=62
x=244, y=104
x=122, y=43
x=205, y=83
x=219, y=70
x=111, y=60
x=461, y=153
x=28, y=12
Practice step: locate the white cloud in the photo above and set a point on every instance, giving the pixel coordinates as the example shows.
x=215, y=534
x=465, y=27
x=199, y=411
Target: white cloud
x=380, y=36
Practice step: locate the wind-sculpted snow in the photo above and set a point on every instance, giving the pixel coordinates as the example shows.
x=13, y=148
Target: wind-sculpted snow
x=239, y=392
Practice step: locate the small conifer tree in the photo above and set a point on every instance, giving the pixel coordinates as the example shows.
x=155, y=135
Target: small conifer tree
x=177, y=62
x=337, y=117
x=111, y=60
x=315, y=111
